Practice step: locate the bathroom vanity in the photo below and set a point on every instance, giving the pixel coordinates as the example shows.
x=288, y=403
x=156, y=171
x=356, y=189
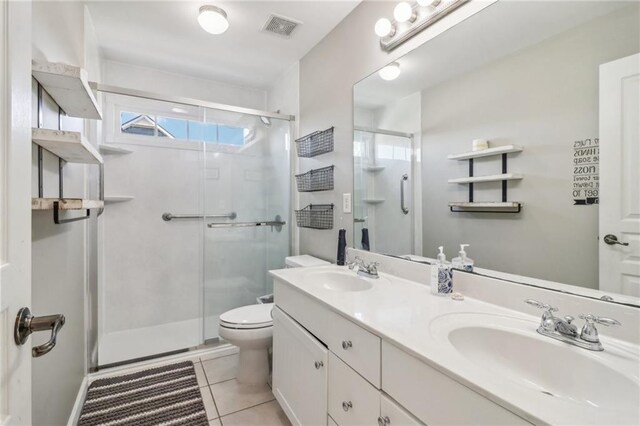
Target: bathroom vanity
x=350, y=350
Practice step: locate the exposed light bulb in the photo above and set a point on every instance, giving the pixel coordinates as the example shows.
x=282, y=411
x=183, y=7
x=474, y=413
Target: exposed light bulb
x=402, y=12
x=390, y=72
x=432, y=3
x=383, y=27
x=213, y=20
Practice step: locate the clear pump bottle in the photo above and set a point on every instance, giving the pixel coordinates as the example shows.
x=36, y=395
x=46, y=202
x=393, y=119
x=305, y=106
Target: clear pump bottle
x=462, y=262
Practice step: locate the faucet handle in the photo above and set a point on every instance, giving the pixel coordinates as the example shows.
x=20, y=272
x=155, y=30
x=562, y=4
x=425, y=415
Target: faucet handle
x=356, y=261
x=540, y=305
x=609, y=322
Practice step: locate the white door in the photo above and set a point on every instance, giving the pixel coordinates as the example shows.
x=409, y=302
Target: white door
x=15, y=207
x=620, y=176
x=299, y=372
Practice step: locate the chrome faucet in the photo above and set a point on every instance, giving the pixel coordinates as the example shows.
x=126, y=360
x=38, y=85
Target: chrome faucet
x=369, y=270
x=562, y=328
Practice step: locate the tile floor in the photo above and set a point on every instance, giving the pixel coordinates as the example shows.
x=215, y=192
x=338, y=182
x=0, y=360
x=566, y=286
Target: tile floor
x=229, y=403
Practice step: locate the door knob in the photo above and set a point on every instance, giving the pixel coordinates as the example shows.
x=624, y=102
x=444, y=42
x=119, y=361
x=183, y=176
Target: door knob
x=27, y=324
x=613, y=240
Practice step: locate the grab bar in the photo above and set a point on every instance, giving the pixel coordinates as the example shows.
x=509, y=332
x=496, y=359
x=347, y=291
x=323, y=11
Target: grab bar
x=170, y=216
x=404, y=178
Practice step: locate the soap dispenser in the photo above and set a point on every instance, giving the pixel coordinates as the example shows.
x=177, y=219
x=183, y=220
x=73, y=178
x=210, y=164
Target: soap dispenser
x=462, y=262
x=441, y=275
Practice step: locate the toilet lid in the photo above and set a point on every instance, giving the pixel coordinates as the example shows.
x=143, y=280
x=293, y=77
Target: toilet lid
x=251, y=316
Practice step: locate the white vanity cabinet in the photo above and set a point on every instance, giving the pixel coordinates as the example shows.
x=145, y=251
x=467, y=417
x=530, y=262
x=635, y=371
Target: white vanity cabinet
x=364, y=380
x=299, y=372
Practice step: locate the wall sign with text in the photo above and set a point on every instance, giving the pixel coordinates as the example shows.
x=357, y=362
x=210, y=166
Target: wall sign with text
x=586, y=178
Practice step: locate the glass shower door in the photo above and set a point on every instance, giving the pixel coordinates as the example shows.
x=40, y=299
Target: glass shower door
x=246, y=175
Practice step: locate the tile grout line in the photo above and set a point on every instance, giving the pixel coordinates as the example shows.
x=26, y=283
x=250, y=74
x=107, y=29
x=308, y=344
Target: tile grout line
x=248, y=408
x=213, y=398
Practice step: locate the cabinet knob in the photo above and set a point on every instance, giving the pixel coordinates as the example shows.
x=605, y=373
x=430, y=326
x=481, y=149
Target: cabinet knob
x=383, y=421
x=319, y=364
x=346, y=344
x=347, y=405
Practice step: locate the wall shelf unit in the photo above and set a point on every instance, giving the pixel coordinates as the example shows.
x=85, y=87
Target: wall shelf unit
x=372, y=168
x=72, y=147
x=502, y=206
x=118, y=198
x=373, y=200
x=113, y=149
x=488, y=178
x=65, y=204
x=499, y=150
x=69, y=87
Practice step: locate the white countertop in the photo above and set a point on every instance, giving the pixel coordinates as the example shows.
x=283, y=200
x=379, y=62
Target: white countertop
x=401, y=312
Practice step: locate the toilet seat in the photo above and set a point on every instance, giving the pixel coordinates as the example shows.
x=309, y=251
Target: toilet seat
x=248, y=317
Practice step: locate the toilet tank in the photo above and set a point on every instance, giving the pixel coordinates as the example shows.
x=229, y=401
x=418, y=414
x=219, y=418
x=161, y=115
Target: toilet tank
x=303, y=261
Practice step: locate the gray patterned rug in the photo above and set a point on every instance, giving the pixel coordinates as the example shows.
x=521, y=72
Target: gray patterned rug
x=167, y=396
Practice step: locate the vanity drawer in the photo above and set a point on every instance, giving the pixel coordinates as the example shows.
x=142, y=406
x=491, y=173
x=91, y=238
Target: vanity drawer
x=308, y=312
x=394, y=415
x=433, y=397
x=355, y=346
x=352, y=400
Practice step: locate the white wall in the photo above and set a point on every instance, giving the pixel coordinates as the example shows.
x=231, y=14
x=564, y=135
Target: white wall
x=167, y=83
x=327, y=75
x=62, y=255
x=543, y=98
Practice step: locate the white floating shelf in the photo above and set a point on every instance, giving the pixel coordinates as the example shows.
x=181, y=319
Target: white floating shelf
x=65, y=204
x=70, y=146
x=484, y=206
x=69, y=87
x=113, y=149
x=373, y=200
x=486, y=152
x=118, y=198
x=372, y=169
x=488, y=178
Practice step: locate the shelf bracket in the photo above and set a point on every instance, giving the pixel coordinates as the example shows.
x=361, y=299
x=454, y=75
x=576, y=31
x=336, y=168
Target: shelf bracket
x=58, y=221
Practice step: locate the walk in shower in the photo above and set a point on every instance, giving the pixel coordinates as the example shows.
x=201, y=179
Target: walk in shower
x=197, y=212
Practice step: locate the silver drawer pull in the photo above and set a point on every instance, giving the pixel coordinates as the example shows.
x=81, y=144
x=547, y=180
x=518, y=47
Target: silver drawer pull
x=346, y=344
x=319, y=364
x=347, y=405
x=384, y=421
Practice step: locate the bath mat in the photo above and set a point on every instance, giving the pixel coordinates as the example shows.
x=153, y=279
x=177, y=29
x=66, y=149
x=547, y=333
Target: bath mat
x=167, y=396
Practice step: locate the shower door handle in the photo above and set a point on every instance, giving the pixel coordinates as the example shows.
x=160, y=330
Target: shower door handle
x=403, y=179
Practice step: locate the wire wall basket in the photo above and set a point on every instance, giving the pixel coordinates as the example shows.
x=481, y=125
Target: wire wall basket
x=316, y=180
x=316, y=216
x=316, y=143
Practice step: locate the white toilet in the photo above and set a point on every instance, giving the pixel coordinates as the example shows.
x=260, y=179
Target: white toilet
x=250, y=328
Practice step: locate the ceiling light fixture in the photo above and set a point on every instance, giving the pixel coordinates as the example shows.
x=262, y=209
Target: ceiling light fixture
x=432, y=3
x=390, y=72
x=213, y=20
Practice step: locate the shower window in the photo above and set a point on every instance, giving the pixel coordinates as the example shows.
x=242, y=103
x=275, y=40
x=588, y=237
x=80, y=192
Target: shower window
x=134, y=123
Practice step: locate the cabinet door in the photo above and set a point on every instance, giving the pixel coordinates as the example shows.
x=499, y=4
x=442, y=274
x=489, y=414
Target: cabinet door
x=352, y=400
x=299, y=372
x=391, y=414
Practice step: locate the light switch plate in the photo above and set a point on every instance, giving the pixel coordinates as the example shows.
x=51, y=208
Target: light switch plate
x=346, y=202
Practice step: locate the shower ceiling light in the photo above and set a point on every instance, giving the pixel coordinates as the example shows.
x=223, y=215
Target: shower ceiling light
x=390, y=72
x=213, y=20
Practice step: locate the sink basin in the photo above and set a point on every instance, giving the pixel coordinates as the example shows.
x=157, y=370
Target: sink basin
x=511, y=348
x=342, y=281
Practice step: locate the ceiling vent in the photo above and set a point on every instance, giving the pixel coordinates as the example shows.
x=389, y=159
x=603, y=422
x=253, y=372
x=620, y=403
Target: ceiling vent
x=280, y=25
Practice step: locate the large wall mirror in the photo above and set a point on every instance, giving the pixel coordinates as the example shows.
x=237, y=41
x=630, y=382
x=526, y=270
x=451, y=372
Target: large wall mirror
x=554, y=200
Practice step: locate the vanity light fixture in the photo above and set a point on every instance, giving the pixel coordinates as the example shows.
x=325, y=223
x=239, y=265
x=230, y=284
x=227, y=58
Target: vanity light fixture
x=403, y=12
x=410, y=18
x=390, y=72
x=384, y=27
x=213, y=19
